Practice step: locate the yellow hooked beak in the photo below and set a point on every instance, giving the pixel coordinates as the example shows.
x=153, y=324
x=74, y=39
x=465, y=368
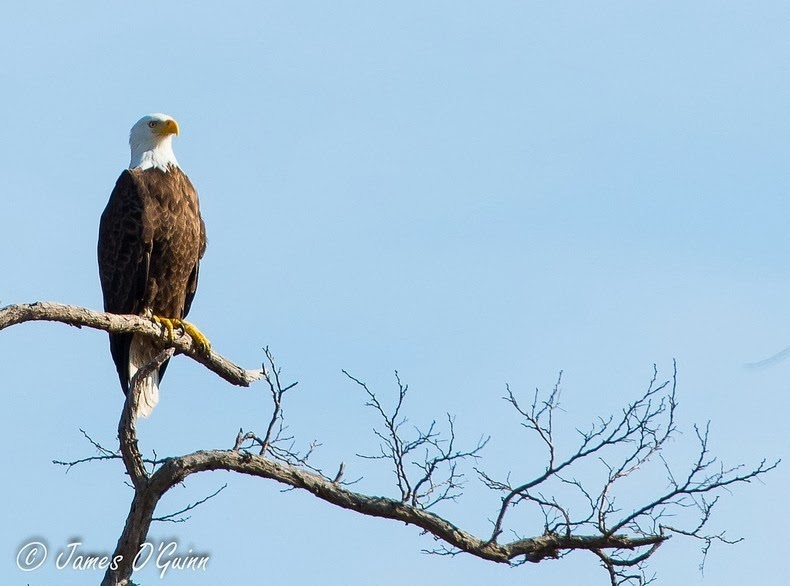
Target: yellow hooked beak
x=167, y=127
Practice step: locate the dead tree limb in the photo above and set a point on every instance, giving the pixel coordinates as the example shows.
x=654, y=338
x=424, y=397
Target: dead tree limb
x=425, y=464
x=125, y=324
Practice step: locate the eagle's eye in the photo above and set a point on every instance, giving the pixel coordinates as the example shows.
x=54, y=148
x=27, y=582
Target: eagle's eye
x=152, y=124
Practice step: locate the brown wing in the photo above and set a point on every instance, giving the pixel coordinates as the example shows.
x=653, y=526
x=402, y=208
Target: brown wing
x=125, y=245
x=192, y=283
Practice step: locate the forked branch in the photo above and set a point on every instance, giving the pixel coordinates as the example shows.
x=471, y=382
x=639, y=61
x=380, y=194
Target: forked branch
x=427, y=467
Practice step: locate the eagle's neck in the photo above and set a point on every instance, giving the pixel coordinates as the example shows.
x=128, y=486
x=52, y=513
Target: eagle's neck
x=157, y=155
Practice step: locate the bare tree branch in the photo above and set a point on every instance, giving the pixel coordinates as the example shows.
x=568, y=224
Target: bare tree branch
x=174, y=516
x=125, y=324
x=622, y=445
x=272, y=378
x=104, y=454
x=426, y=467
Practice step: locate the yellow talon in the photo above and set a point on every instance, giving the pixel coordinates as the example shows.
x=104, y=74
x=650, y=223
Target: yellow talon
x=200, y=340
x=169, y=325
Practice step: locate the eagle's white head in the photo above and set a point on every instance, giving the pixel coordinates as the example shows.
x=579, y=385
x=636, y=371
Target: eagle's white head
x=151, y=141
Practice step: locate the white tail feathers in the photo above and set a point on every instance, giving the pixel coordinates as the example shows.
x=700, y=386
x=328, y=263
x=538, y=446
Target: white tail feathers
x=141, y=352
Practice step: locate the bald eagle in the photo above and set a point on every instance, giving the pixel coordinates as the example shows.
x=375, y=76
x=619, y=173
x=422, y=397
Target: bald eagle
x=151, y=240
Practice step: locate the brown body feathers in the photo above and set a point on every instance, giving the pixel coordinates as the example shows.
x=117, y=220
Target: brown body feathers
x=151, y=240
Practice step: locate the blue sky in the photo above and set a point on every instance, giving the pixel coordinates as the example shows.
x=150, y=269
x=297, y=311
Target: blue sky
x=472, y=194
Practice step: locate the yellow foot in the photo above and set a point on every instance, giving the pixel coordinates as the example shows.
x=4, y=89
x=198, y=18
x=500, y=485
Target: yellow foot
x=169, y=325
x=200, y=340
